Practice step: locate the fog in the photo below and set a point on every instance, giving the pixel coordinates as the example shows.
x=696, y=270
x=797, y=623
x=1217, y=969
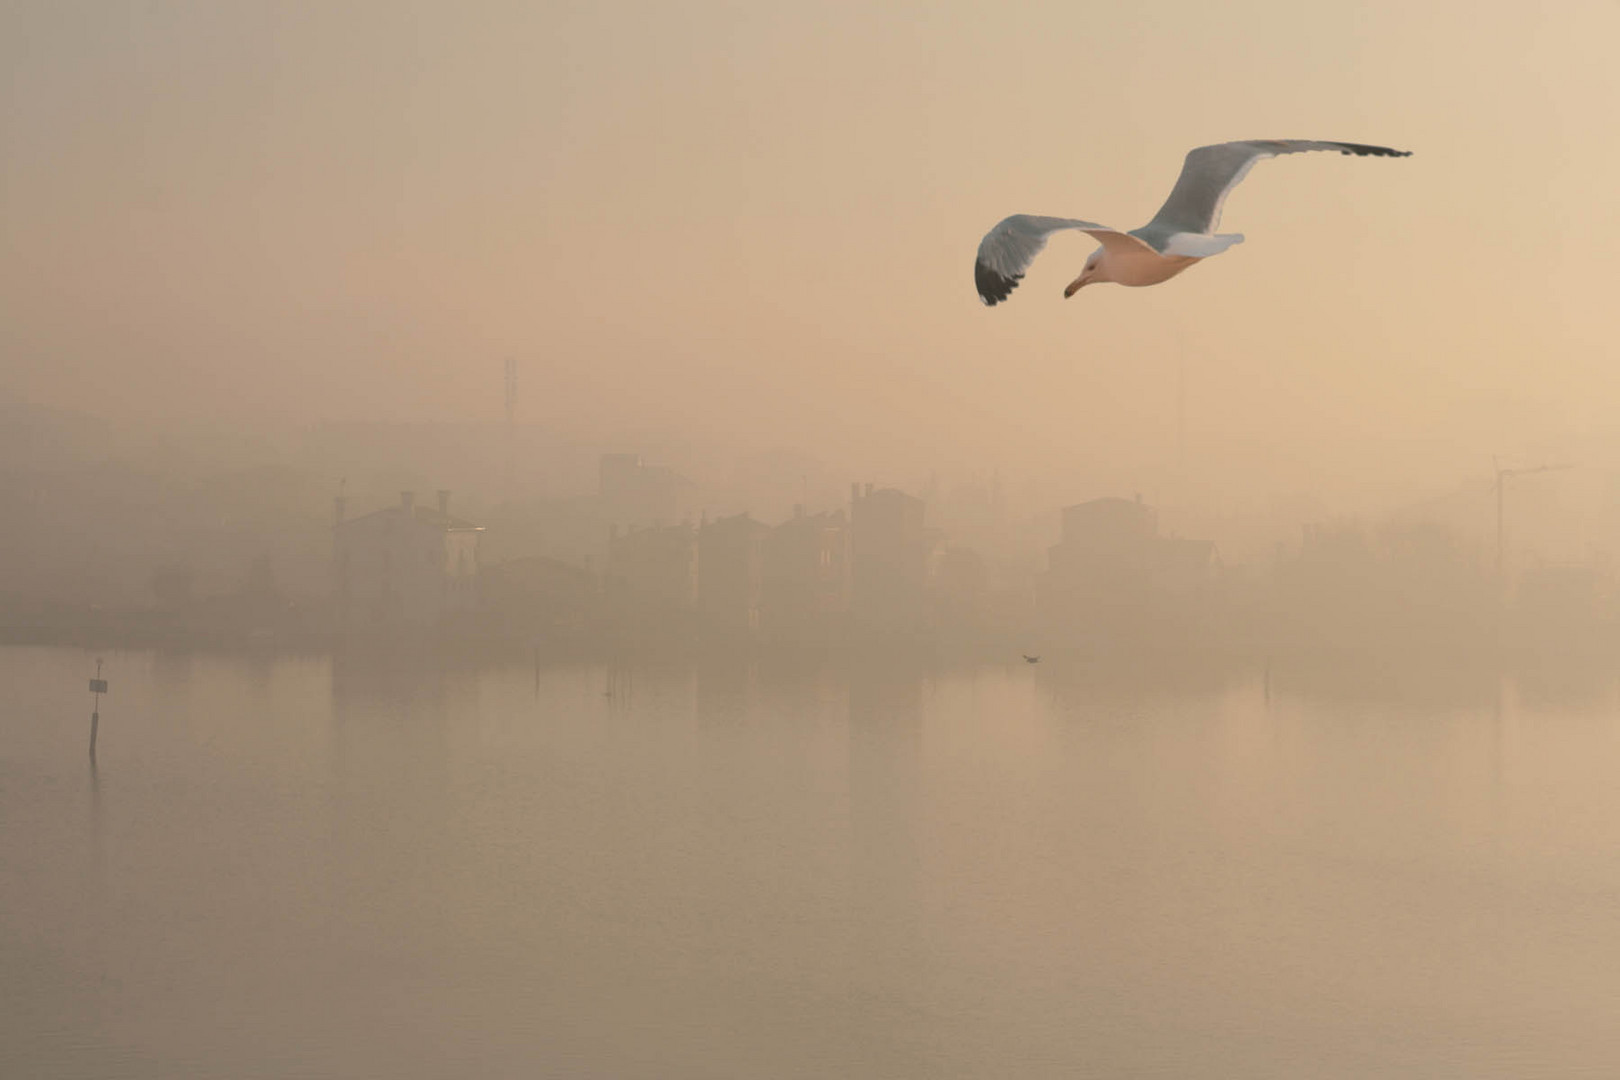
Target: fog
x=567, y=578
x=256, y=256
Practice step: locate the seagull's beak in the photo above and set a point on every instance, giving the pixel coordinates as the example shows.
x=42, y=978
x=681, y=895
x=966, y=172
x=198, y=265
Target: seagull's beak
x=1074, y=286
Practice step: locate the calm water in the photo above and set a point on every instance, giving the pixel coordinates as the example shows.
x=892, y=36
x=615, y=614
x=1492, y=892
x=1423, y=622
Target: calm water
x=293, y=868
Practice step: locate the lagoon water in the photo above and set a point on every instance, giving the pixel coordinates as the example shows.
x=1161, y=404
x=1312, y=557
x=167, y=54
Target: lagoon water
x=299, y=867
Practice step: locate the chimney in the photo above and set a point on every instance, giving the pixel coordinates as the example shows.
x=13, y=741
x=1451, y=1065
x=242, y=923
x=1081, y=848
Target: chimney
x=407, y=501
x=444, y=501
x=854, y=493
x=340, y=504
x=868, y=489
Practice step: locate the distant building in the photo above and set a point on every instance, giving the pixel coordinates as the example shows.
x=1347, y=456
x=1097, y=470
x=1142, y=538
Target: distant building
x=572, y=530
x=1114, y=542
x=959, y=585
x=635, y=494
x=731, y=572
x=407, y=566
x=538, y=595
x=654, y=567
x=974, y=513
x=806, y=585
x=889, y=551
x=1111, y=570
x=1103, y=536
x=630, y=494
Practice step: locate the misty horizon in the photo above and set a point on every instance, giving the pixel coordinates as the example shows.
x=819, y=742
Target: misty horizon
x=272, y=246
x=526, y=547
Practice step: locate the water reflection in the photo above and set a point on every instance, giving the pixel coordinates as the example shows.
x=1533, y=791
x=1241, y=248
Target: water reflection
x=1131, y=686
x=746, y=867
x=385, y=865
x=727, y=689
x=1353, y=679
x=1552, y=682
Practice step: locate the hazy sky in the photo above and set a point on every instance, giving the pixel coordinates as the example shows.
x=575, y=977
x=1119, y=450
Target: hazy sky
x=757, y=221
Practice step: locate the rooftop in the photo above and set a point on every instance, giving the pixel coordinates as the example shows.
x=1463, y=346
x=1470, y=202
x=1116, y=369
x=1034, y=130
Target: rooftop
x=427, y=515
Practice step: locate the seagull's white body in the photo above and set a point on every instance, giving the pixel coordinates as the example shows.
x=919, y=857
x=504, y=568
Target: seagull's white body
x=1138, y=265
x=1180, y=234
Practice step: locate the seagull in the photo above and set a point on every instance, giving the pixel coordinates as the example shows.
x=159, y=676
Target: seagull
x=1180, y=234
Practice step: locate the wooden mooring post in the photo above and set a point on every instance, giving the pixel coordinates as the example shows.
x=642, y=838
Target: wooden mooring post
x=98, y=686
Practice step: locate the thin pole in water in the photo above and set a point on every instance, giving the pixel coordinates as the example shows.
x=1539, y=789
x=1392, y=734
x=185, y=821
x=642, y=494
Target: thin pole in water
x=98, y=686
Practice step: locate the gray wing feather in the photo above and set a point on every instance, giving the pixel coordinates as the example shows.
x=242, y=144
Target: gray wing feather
x=1211, y=172
x=1007, y=250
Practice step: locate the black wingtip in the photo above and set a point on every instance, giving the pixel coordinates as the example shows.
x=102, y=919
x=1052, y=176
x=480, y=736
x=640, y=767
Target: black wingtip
x=993, y=287
x=1363, y=150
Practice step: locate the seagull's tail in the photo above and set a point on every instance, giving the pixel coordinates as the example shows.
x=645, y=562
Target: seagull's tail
x=1200, y=245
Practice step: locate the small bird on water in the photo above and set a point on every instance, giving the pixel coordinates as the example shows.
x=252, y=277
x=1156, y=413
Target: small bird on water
x=1180, y=234
x=1028, y=659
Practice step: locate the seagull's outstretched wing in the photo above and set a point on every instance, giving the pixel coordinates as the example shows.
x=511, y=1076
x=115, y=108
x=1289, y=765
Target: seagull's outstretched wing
x=1211, y=172
x=1007, y=250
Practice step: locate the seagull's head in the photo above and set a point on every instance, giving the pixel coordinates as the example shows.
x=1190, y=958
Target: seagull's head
x=1092, y=273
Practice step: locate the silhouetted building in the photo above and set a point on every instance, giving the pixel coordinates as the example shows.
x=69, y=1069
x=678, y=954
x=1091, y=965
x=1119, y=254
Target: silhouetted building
x=657, y=567
x=1111, y=570
x=538, y=595
x=973, y=513
x=407, y=566
x=573, y=530
x=806, y=587
x=889, y=550
x=959, y=585
x=731, y=571
x=1103, y=536
x=1116, y=541
x=634, y=493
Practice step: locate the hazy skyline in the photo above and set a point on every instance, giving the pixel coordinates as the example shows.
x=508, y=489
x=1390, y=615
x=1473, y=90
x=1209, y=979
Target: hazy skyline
x=821, y=674
x=757, y=224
